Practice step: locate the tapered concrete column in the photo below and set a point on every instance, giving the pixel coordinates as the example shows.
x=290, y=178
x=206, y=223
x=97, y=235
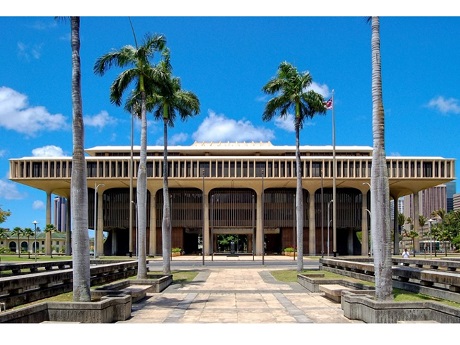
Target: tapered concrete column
x=48, y=221
x=259, y=225
x=364, y=226
x=311, y=225
x=100, y=224
x=206, y=233
x=152, y=225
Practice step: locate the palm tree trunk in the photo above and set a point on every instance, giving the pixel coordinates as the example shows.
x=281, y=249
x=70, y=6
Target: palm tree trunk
x=299, y=198
x=166, y=224
x=79, y=190
x=142, y=194
x=380, y=196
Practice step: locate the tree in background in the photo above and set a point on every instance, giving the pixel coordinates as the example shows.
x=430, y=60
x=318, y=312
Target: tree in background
x=4, y=215
x=49, y=230
x=18, y=231
x=142, y=73
x=401, y=222
x=28, y=232
x=291, y=93
x=167, y=101
x=412, y=234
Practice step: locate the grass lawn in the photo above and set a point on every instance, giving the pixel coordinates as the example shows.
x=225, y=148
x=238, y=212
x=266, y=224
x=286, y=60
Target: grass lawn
x=399, y=295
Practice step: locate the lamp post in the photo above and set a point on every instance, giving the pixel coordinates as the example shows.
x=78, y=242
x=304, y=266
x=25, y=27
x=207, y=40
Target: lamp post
x=328, y=223
x=202, y=229
x=322, y=216
x=262, y=219
x=430, y=221
x=95, y=217
x=35, y=243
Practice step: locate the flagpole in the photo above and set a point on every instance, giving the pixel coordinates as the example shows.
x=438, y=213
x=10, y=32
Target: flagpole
x=334, y=184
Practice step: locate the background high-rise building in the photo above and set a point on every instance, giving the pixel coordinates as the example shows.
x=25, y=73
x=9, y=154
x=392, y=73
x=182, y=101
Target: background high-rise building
x=430, y=200
x=451, y=188
x=60, y=213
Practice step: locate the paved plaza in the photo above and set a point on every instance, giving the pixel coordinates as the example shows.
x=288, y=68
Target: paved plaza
x=236, y=290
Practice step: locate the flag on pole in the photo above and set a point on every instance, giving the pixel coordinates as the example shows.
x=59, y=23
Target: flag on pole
x=328, y=104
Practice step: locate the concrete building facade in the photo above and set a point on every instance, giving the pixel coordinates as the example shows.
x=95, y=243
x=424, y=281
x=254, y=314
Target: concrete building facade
x=243, y=189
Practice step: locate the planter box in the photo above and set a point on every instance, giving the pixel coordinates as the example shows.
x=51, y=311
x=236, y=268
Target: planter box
x=290, y=253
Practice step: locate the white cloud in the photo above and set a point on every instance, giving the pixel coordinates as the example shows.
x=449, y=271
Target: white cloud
x=178, y=138
x=286, y=123
x=443, y=105
x=99, y=120
x=2, y=153
x=9, y=191
x=323, y=89
x=48, y=151
x=38, y=205
x=217, y=128
x=17, y=115
x=174, y=139
x=27, y=52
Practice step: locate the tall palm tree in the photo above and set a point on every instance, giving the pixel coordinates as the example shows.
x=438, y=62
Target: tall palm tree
x=28, y=232
x=290, y=90
x=166, y=102
x=49, y=230
x=78, y=185
x=142, y=73
x=380, y=190
x=18, y=231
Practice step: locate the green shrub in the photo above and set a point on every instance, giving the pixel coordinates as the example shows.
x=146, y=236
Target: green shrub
x=176, y=250
x=289, y=250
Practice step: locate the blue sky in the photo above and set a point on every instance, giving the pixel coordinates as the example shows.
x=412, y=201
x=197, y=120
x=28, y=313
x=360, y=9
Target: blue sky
x=226, y=61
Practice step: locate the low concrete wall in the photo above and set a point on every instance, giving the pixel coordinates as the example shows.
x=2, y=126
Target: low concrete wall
x=108, y=310
x=136, y=288
x=312, y=282
x=360, y=306
x=22, y=289
x=158, y=282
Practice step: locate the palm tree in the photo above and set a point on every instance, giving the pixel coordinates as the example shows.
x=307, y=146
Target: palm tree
x=49, y=230
x=290, y=90
x=439, y=214
x=437, y=230
x=17, y=231
x=143, y=74
x=401, y=221
x=380, y=190
x=166, y=102
x=422, y=222
x=28, y=232
x=412, y=234
x=78, y=184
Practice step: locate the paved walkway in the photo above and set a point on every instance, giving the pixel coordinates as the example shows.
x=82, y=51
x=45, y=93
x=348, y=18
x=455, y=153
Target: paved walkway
x=237, y=295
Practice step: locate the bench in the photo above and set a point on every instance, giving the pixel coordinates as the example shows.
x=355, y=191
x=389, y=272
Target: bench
x=333, y=291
